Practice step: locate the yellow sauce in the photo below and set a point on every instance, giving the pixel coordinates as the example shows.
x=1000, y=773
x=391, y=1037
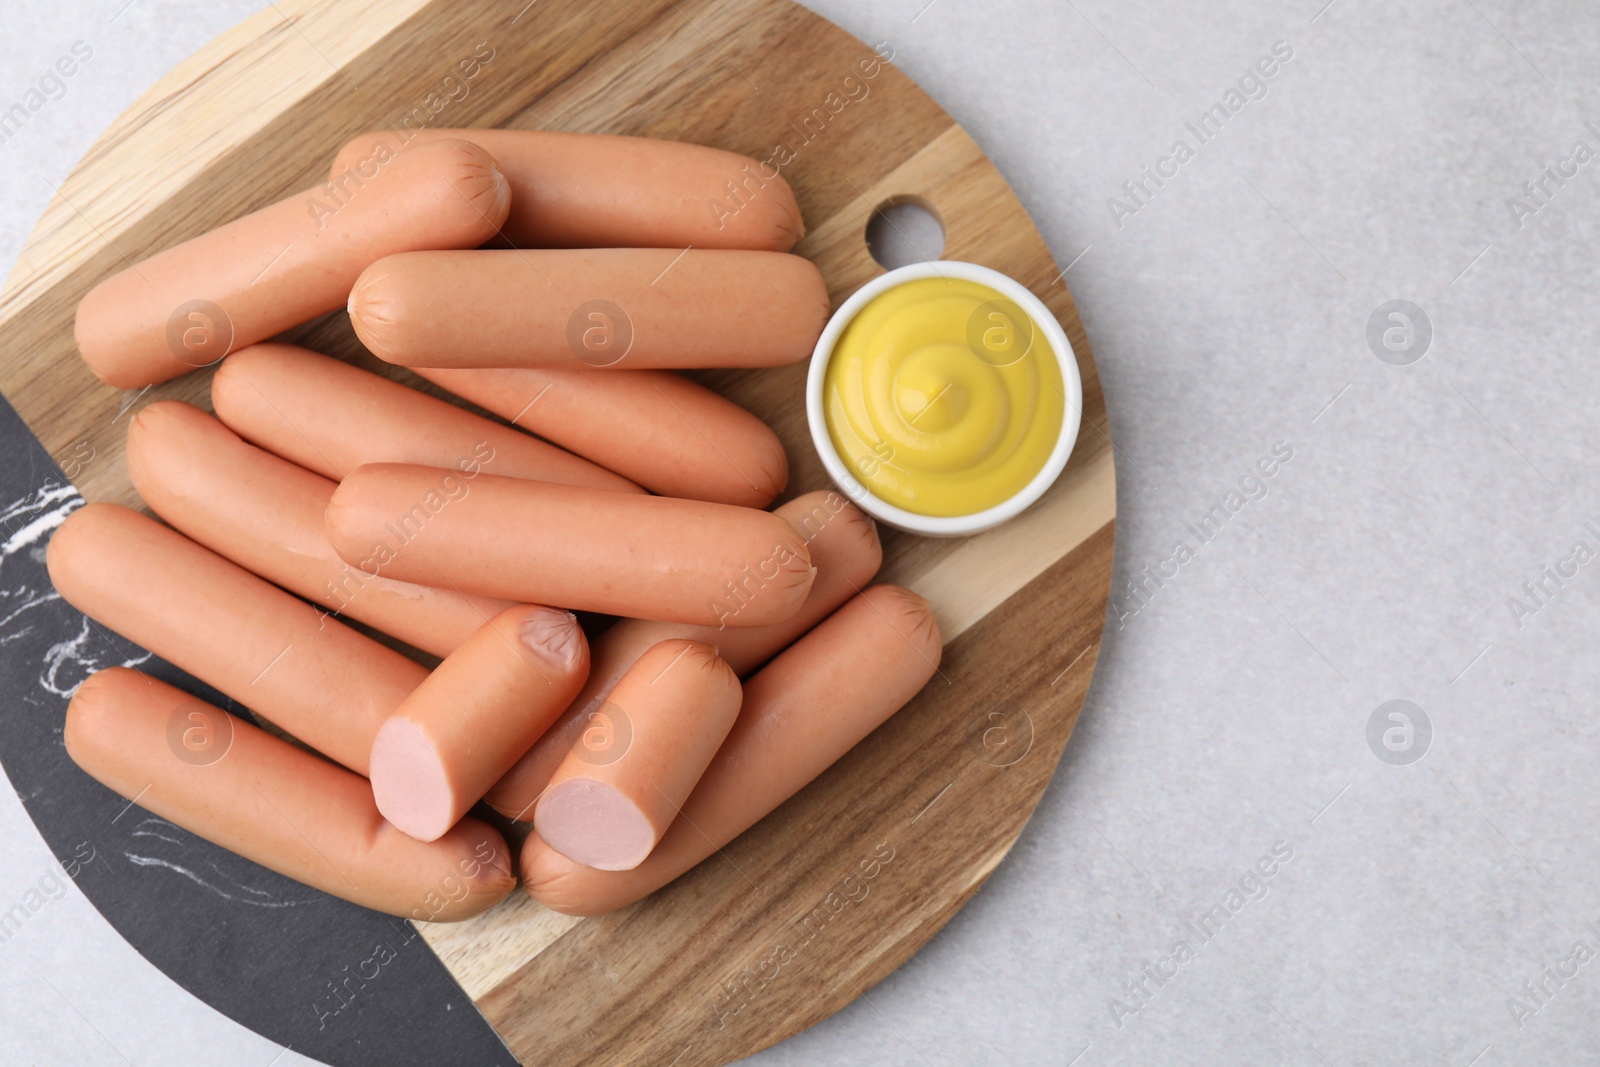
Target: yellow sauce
x=943, y=397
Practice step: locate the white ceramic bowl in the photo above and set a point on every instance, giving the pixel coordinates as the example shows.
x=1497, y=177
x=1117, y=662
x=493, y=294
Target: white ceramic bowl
x=955, y=525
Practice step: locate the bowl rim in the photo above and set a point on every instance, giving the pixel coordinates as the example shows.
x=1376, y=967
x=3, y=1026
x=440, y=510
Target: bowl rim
x=945, y=525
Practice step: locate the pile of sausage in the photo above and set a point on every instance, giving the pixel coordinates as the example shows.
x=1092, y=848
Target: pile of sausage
x=327, y=515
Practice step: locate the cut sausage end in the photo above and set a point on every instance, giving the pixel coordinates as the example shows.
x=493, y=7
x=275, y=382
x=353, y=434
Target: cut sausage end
x=594, y=824
x=409, y=781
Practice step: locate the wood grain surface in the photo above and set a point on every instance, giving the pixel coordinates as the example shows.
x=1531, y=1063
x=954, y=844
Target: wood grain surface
x=830, y=893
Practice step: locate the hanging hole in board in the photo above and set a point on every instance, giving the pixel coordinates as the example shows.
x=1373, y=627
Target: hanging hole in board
x=905, y=230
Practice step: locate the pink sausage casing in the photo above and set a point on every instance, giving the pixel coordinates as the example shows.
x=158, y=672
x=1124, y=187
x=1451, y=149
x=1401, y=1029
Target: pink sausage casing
x=671, y=435
x=279, y=656
x=677, y=703
x=844, y=548
x=595, y=308
x=563, y=545
x=801, y=713
x=467, y=722
x=265, y=514
x=589, y=190
x=239, y=787
x=258, y=275
x=331, y=417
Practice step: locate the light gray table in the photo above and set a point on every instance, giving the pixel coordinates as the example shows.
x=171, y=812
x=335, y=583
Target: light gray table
x=1436, y=902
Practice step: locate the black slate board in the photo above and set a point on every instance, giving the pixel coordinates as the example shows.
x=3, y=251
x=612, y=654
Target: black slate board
x=331, y=980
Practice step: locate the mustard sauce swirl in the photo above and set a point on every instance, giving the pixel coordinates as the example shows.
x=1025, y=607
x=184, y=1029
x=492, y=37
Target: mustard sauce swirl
x=943, y=397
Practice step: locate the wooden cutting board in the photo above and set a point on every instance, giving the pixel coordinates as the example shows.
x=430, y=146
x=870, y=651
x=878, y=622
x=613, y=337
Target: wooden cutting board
x=833, y=891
